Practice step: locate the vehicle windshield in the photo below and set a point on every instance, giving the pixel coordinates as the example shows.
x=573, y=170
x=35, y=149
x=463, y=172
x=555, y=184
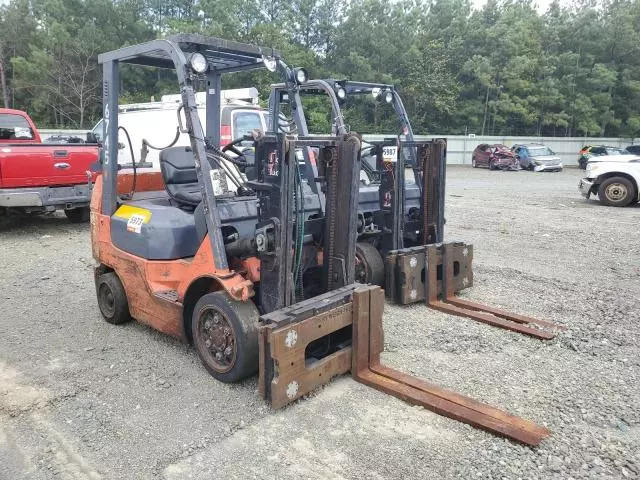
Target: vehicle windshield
x=14, y=127
x=539, y=151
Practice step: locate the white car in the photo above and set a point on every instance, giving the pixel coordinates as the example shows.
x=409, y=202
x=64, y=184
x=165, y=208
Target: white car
x=614, y=178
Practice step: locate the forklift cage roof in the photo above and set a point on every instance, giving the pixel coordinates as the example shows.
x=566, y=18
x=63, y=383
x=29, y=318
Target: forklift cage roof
x=223, y=56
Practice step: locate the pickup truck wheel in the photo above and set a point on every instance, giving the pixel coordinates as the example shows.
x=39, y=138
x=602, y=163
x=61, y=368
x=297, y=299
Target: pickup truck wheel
x=616, y=192
x=225, y=335
x=78, y=215
x=112, y=299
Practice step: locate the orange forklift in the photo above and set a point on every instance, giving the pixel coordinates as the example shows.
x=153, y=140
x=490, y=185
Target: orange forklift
x=189, y=250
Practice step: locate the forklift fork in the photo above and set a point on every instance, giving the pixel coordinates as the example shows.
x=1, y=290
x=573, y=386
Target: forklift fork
x=287, y=372
x=476, y=311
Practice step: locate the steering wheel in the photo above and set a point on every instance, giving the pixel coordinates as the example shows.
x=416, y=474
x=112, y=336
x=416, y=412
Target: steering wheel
x=233, y=147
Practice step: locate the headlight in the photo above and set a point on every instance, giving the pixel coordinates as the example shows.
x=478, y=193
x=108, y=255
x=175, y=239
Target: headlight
x=270, y=63
x=198, y=63
x=300, y=75
x=341, y=93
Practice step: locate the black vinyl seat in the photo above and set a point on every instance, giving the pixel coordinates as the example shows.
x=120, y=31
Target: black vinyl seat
x=178, y=168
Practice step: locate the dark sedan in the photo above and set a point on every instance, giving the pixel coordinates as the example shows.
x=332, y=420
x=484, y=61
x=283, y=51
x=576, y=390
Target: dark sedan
x=494, y=157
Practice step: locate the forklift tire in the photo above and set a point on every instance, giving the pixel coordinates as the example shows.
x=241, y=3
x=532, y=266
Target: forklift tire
x=369, y=264
x=225, y=335
x=78, y=215
x=112, y=299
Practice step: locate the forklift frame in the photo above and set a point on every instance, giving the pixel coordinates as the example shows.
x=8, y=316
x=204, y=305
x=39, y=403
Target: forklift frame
x=222, y=57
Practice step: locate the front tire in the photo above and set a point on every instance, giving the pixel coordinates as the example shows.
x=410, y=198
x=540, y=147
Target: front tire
x=78, y=215
x=617, y=192
x=112, y=299
x=369, y=264
x=474, y=163
x=225, y=335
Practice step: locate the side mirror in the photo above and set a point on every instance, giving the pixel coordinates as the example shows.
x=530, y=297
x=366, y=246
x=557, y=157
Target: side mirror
x=92, y=138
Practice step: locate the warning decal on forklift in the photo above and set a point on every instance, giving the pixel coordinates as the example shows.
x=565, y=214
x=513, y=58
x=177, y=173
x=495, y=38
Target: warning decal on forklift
x=136, y=217
x=390, y=154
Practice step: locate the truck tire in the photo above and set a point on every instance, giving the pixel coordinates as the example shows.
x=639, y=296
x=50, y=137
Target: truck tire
x=617, y=192
x=112, y=299
x=78, y=215
x=225, y=336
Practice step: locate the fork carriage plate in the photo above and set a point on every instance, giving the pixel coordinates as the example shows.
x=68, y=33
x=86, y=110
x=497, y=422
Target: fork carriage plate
x=288, y=371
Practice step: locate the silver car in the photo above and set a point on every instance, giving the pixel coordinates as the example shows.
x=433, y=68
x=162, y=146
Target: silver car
x=537, y=157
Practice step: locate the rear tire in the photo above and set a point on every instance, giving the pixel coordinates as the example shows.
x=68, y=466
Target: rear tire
x=617, y=192
x=78, y=215
x=369, y=264
x=225, y=335
x=112, y=299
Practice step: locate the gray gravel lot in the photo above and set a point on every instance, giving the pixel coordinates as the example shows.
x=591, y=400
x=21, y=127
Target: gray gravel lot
x=80, y=398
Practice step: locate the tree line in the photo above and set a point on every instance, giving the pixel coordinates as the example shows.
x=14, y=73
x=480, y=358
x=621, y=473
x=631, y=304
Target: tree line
x=503, y=69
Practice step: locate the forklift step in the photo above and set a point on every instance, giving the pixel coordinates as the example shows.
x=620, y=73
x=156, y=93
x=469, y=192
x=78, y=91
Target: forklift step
x=288, y=371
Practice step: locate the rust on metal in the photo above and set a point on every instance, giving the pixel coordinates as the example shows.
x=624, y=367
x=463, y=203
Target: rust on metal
x=435, y=273
x=285, y=373
x=366, y=368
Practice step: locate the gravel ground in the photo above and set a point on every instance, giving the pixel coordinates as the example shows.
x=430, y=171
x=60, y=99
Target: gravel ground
x=83, y=399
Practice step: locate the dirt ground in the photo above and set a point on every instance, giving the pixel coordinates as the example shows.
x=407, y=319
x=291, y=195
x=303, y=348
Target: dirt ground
x=80, y=398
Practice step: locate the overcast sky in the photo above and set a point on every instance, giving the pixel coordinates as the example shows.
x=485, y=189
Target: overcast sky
x=542, y=4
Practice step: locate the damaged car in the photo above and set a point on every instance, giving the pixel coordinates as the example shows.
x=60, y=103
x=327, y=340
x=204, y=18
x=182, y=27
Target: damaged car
x=494, y=157
x=537, y=157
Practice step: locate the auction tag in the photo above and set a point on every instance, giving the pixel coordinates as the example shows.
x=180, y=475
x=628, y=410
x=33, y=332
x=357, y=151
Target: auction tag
x=134, y=224
x=390, y=154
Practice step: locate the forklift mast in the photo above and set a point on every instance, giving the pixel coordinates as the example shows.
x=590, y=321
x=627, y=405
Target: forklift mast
x=426, y=158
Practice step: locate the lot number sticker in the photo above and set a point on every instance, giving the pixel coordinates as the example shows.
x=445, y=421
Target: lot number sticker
x=389, y=154
x=134, y=224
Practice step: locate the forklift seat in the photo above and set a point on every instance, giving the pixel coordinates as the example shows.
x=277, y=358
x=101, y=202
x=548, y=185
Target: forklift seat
x=178, y=168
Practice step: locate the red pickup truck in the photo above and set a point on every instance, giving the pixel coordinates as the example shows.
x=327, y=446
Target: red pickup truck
x=36, y=177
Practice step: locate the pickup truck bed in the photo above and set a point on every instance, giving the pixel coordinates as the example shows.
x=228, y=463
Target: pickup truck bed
x=41, y=177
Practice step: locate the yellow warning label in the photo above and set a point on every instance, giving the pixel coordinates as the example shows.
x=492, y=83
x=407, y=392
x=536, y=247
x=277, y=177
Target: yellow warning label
x=127, y=211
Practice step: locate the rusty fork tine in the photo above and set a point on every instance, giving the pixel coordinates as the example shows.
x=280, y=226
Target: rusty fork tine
x=476, y=311
x=367, y=320
x=514, y=317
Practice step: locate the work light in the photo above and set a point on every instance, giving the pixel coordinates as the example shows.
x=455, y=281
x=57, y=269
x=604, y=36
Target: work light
x=388, y=96
x=198, y=63
x=300, y=75
x=341, y=93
